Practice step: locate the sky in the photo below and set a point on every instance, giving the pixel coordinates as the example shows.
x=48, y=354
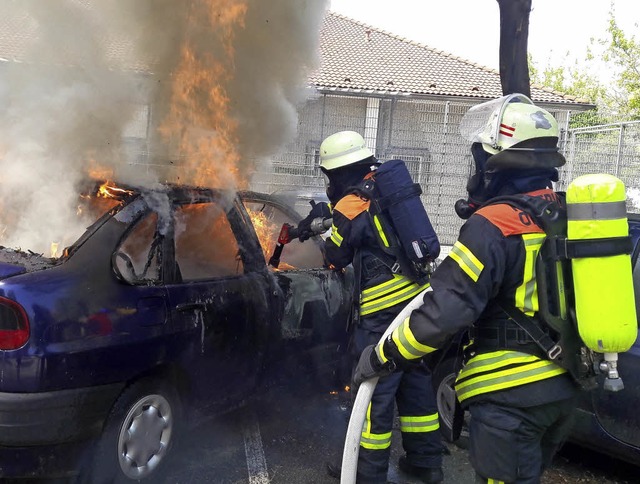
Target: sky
x=471, y=28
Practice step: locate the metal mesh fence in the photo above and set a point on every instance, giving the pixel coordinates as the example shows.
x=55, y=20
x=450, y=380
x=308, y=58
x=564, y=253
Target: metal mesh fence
x=612, y=149
x=425, y=134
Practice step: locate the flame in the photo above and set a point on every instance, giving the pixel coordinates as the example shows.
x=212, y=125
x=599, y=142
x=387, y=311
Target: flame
x=54, y=250
x=267, y=232
x=96, y=171
x=199, y=124
x=110, y=190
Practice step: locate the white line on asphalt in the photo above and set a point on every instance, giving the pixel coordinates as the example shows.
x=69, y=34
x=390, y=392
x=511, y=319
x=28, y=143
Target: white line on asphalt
x=256, y=461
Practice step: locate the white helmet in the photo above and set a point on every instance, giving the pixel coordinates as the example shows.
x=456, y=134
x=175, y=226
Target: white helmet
x=342, y=149
x=514, y=123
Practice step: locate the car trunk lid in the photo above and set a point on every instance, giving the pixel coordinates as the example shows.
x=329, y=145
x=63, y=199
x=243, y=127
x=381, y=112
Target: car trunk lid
x=8, y=270
x=14, y=262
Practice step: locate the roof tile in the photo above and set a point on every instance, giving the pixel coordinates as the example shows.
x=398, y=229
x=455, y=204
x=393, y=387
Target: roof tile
x=373, y=60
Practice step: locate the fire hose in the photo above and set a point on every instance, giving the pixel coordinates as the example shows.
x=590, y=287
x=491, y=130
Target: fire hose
x=362, y=400
x=289, y=232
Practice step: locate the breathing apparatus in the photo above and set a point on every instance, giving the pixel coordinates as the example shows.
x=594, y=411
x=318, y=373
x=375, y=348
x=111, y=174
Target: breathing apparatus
x=514, y=148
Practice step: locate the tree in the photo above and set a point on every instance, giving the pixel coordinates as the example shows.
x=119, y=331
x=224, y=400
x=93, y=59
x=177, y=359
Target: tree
x=623, y=52
x=514, y=36
x=616, y=98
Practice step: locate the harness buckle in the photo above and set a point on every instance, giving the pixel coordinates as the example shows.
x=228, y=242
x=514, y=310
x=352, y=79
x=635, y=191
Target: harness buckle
x=395, y=268
x=554, y=352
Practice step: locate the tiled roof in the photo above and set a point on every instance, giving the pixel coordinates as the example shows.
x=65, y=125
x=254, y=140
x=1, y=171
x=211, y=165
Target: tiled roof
x=356, y=57
x=21, y=41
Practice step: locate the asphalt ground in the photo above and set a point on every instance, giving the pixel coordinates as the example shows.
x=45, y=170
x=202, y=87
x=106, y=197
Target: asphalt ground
x=288, y=434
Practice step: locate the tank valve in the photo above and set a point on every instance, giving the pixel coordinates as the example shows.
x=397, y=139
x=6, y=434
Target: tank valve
x=612, y=380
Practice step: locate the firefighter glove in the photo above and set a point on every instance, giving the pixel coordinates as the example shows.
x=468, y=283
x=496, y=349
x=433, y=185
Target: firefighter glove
x=370, y=366
x=318, y=210
x=391, y=351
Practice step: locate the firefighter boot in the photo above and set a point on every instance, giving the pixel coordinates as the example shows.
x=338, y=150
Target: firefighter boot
x=429, y=475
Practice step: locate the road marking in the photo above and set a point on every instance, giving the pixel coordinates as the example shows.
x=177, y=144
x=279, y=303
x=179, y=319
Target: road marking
x=256, y=461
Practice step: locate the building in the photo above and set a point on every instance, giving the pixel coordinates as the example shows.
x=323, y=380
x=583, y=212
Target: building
x=407, y=100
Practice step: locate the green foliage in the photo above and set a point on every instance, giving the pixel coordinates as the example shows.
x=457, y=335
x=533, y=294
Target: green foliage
x=623, y=53
x=617, y=98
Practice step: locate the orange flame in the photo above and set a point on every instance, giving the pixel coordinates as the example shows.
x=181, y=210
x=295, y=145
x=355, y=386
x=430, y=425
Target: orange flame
x=267, y=232
x=199, y=124
x=109, y=190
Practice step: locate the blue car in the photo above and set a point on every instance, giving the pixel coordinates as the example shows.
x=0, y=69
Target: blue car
x=164, y=312
x=606, y=422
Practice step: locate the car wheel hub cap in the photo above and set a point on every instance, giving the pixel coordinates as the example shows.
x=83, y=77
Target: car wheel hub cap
x=144, y=436
x=447, y=399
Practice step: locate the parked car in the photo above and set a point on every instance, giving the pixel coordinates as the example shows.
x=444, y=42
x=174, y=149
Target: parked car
x=162, y=313
x=605, y=421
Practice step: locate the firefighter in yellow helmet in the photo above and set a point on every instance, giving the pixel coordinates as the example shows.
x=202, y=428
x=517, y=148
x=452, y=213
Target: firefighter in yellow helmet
x=382, y=293
x=519, y=400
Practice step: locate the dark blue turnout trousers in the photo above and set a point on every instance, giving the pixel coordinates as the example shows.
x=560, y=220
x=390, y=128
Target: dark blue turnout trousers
x=514, y=445
x=413, y=394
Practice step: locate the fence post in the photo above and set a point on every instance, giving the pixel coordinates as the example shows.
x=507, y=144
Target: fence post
x=620, y=147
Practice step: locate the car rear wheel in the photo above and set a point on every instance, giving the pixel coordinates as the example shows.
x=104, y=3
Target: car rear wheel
x=139, y=433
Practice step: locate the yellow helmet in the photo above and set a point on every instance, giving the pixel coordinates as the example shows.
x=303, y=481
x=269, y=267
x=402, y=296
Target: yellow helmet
x=513, y=123
x=342, y=149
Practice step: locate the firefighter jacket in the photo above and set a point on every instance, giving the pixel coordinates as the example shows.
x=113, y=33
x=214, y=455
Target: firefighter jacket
x=352, y=236
x=492, y=261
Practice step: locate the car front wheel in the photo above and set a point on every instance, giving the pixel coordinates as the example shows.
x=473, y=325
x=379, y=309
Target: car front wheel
x=138, y=435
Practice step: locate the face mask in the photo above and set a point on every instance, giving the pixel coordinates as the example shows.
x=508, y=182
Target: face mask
x=476, y=184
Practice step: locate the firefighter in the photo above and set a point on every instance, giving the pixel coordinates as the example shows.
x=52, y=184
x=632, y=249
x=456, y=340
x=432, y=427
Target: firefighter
x=346, y=163
x=520, y=402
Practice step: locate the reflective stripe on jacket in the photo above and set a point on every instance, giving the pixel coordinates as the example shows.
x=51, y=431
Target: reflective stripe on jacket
x=492, y=260
x=353, y=230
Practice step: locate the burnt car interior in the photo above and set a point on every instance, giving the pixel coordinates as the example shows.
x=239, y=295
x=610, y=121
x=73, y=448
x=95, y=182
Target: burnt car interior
x=268, y=220
x=196, y=242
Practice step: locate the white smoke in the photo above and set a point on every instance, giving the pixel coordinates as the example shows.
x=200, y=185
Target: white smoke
x=78, y=72
x=633, y=195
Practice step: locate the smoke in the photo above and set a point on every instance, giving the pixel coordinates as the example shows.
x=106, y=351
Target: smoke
x=141, y=92
x=633, y=195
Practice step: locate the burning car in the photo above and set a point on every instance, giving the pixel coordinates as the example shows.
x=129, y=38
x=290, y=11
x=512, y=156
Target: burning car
x=164, y=311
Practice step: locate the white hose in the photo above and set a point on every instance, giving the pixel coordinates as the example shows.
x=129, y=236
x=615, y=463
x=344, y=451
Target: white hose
x=361, y=403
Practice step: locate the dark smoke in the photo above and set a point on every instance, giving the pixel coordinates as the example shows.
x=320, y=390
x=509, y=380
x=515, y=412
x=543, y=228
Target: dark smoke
x=86, y=85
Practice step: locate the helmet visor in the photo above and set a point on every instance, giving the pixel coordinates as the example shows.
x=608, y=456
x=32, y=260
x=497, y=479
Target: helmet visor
x=481, y=124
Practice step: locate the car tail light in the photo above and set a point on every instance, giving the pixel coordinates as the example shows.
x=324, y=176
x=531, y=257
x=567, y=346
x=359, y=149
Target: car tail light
x=14, y=325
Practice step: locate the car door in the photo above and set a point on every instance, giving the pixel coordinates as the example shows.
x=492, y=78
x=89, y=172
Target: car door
x=218, y=302
x=317, y=303
x=616, y=411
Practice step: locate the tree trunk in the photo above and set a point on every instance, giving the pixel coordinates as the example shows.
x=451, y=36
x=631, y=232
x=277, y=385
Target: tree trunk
x=514, y=33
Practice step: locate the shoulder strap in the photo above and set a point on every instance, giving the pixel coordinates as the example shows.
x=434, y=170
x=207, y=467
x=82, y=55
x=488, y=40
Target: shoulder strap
x=550, y=215
x=552, y=349
x=354, y=317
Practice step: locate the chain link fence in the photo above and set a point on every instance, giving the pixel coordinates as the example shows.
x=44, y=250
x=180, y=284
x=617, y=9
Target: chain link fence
x=611, y=148
x=425, y=134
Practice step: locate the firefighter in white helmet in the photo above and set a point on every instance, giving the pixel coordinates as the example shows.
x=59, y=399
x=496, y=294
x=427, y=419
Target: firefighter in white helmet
x=520, y=401
x=380, y=294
